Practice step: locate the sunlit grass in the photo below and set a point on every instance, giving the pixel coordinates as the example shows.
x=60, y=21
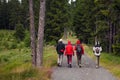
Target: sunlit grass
x=50, y=57
x=16, y=64
x=73, y=39
x=108, y=61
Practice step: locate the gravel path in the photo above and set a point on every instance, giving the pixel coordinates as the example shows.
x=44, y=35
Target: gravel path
x=86, y=72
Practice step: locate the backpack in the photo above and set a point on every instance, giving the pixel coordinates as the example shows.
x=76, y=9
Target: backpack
x=78, y=49
x=97, y=50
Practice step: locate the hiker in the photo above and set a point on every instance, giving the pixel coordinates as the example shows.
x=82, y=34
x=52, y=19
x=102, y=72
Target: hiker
x=60, y=51
x=97, y=51
x=69, y=52
x=79, y=52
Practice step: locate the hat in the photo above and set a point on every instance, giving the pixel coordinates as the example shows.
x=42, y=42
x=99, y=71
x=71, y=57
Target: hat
x=60, y=40
x=78, y=42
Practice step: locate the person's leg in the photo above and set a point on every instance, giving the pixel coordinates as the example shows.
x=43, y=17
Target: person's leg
x=70, y=60
x=58, y=62
x=97, y=66
x=98, y=60
x=61, y=58
x=79, y=60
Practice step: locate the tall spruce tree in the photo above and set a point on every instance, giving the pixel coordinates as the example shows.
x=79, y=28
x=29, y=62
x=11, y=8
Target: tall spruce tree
x=56, y=19
x=4, y=15
x=14, y=16
x=83, y=20
x=98, y=19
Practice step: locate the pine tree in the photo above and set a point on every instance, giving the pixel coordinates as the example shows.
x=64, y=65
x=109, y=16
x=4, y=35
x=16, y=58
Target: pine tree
x=83, y=20
x=32, y=32
x=56, y=19
x=14, y=16
x=4, y=15
x=41, y=33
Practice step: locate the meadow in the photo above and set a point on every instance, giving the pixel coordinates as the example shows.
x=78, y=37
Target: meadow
x=16, y=63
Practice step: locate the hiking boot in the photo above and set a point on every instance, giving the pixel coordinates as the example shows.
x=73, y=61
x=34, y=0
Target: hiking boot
x=80, y=65
x=70, y=66
x=58, y=65
x=97, y=67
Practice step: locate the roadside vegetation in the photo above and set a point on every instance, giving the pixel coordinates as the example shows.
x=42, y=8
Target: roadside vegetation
x=109, y=61
x=15, y=60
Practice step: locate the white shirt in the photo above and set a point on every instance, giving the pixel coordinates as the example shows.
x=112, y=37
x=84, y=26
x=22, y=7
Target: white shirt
x=94, y=49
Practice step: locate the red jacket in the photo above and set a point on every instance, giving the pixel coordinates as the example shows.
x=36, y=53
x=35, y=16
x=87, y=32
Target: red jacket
x=79, y=43
x=69, y=49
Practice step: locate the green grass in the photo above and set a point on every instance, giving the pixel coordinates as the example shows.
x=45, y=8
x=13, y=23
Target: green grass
x=108, y=61
x=7, y=40
x=16, y=63
x=50, y=56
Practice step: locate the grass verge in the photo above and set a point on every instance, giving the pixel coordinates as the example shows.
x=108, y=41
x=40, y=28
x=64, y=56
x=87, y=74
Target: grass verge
x=16, y=64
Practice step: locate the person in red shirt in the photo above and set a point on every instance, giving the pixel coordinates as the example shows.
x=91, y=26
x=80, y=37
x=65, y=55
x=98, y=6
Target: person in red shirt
x=69, y=52
x=79, y=52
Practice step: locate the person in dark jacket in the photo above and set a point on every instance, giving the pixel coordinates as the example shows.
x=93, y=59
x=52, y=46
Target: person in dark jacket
x=79, y=52
x=60, y=51
x=69, y=52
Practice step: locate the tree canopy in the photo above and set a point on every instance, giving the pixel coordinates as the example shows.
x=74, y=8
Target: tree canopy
x=90, y=20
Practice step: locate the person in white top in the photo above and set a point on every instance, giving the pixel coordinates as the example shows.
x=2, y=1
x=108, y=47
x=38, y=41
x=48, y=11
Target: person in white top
x=97, y=52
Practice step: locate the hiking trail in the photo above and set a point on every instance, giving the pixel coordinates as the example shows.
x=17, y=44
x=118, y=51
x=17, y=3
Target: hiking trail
x=88, y=71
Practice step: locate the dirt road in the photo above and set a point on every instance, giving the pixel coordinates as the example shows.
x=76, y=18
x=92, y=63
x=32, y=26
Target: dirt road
x=87, y=72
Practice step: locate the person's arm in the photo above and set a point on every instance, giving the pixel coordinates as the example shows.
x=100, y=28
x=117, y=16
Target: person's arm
x=65, y=51
x=100, y=49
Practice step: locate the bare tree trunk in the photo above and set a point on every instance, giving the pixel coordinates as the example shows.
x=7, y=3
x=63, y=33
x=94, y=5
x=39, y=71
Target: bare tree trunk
x=32, y=32
x=110, y=38
x=65, y=33
x=96, y=37
x=114, y=32
x=40, y=33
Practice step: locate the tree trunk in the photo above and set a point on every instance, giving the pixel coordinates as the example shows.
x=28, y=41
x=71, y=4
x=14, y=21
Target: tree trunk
x=114, y=32
x=32, y=32
x=40, y=33
x=65, y=33
x=110, y=38
x=96, y=37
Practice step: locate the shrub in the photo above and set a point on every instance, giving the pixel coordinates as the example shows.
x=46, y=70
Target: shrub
x=19, y=32
x=12, y=45
x=27, y=39
x=116, y=49
x=3, y=59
